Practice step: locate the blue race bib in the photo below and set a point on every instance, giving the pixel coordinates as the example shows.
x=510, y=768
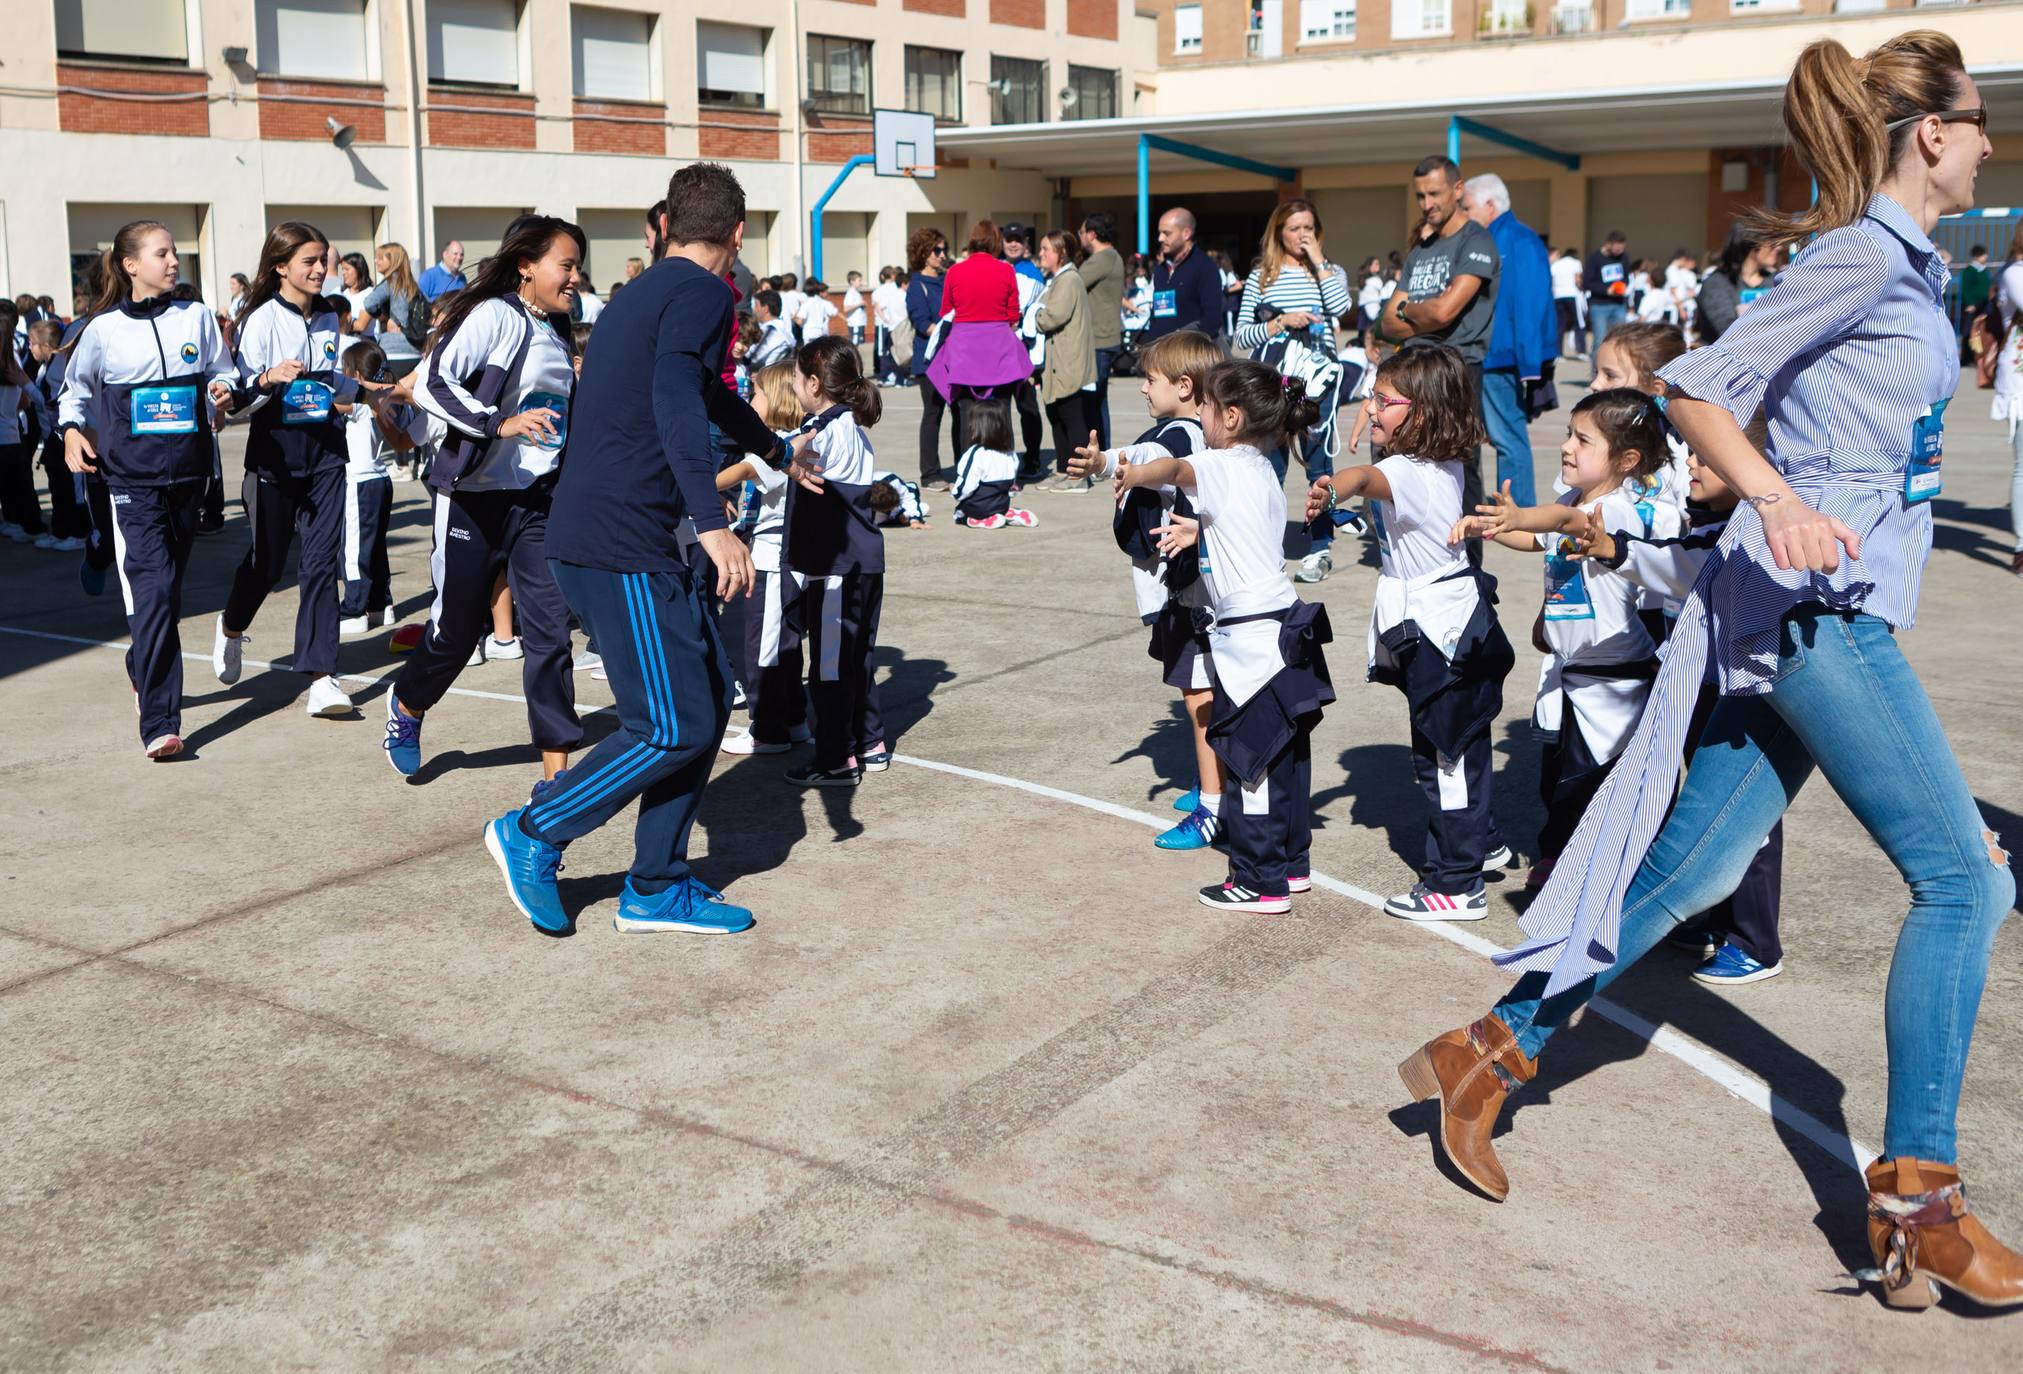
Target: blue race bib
x=304, y=402
x=1165, y=304
x=548, y=400
x=1566, y=595
x=162, y=410
x=1928, y=442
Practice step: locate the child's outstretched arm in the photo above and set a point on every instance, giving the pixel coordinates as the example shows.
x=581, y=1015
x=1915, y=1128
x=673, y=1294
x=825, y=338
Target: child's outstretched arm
x=1515, y=526
x=1329, y=491
x=736, y=474
x=1157, y=472
x=1179, y=532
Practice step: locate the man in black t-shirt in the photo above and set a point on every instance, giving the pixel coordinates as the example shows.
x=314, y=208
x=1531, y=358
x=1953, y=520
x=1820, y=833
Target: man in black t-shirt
x=1607, y=283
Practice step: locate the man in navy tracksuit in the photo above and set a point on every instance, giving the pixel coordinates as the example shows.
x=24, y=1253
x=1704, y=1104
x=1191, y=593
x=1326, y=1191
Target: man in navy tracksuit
x=639, y=462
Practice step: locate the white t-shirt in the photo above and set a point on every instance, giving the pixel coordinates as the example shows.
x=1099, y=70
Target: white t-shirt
x=1242, y=510
x=592, y=303
x=790, y=306
x=1414, y=524
x=767, y=533
x=844, y=451
x=366, y=446
x=1566, y=279
x=853, y=308
x=1591, y=610
x=816, y=312
x=889, y=299
x=1373, y=294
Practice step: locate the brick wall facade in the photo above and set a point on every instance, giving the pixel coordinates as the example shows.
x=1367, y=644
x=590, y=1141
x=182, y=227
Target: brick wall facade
x=469, y=124
x=90, y=114
x=295, y=118
x=952, y=8
x=608, y=126
x=1024, y=14
x=1092, y=18
x=837, y=138
x=762, y=143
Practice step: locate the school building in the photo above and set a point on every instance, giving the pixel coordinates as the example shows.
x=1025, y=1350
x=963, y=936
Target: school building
x=418, y=121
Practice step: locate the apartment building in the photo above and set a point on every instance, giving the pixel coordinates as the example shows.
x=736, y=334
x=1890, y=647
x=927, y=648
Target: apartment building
x=1657, y=117
x=419, y=121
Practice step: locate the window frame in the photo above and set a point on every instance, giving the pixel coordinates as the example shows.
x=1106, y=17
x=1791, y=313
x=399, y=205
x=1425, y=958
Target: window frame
x=709, y=97
x=1075, y=74
x=1334, y=9
x=951, y=80
x=369, y=48
x=1039, y=91
x=433, y=52
x=653, y=78
x=820, y=98
x=1421, y=9
x=1180, y=46
x=192, y=42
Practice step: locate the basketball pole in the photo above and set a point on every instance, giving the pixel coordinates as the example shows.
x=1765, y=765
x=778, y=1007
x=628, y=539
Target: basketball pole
x=815, y=218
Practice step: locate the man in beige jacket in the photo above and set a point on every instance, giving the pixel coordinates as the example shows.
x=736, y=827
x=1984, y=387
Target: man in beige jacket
x=1103, y=274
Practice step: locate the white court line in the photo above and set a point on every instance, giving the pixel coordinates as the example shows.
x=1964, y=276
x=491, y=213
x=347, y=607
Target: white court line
x=1736, y=1081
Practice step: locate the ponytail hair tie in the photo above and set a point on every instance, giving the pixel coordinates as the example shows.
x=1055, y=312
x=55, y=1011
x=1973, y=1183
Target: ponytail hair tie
x=1292, y=386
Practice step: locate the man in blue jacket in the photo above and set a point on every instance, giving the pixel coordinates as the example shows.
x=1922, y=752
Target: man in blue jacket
x=637, y=482
x=1522, y=338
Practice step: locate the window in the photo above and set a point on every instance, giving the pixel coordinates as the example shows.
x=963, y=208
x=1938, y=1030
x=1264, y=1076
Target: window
x=839, y=75
x=934, y=82
x=1762, y=6
x=1322, y=21
x=476, y=42
x=1506, y=16
x=1421, y=18
x=1095, y=94
x=151, y=30
x=730, y=65
x=325, y=38
x=1856, y=6
x=1187, y=28
x=1018, y=91
x=1659, y=9
x=611, y=52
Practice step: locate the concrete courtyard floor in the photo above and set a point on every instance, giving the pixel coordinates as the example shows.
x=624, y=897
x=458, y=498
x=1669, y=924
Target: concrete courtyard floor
x=290, y=1086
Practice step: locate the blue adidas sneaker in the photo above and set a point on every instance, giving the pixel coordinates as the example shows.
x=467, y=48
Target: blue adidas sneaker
x=403, y=738
x=1189, y=803
x=1198, y=831
x=1733, y=966
x=691, y=905
x=529, y=866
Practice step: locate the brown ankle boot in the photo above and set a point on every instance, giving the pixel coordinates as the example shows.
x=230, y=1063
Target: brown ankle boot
x=1919, y=1229
x=1472, y=1069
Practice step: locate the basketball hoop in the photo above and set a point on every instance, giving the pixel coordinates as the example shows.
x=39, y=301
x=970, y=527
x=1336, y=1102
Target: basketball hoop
x=902, y=144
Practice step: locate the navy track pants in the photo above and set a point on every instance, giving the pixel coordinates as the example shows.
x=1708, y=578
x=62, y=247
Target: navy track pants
x=152, y=529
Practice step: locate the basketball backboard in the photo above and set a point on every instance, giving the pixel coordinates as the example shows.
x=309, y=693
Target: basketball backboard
x=902, y=142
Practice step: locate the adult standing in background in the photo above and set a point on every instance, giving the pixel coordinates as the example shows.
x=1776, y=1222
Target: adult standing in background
x=1570, y=303
x=447, y=275
x=926, y=260
x=1070, y=367
x=400, y=306
x=1186, y=285
x=1103, y=275
x=1606, y=279
x=1295, y=294
x=1522, y=332
x=982, y=351
x=1018, y=251
x=1745, y=270
x=2008, y=308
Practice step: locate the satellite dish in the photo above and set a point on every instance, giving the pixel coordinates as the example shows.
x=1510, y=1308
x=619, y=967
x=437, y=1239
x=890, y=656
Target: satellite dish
x=340, y=134
x=1068, y=97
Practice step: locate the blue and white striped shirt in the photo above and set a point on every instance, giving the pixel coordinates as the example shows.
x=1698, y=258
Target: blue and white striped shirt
x=1846, y=353
x=1292, y=289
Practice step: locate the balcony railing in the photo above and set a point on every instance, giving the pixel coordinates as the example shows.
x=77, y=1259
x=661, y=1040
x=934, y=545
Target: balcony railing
x=1572, y=19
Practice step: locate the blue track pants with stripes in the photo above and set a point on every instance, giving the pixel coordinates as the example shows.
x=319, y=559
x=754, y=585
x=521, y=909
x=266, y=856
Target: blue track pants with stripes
x=672, y=681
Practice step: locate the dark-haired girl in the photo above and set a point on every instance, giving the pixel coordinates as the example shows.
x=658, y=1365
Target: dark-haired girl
x=834, y=541
x=1270, y=681
x=500, y=376
x=1433, y=628
x=139, y=388
x=1603, y=655
x=295, y=456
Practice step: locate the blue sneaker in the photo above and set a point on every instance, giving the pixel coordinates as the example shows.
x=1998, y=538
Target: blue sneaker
x=90, y=578
x=1198, y=831
x=1189, y=803
x=529, y=866
x=403, y=738
x=691, y=905
x=1731, y=967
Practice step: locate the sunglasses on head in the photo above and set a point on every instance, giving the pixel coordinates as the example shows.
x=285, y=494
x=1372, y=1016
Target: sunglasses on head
x=1978, y=117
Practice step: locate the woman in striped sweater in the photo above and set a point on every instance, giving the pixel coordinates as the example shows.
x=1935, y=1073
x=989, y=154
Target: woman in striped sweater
x=1295, y=294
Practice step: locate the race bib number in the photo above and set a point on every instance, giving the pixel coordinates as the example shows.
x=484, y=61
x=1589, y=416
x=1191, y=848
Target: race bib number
x=1928, y=442
x=304, y=402
x=548, y=400
x=1165, y=304
x=162, y=410
x=1566, y=595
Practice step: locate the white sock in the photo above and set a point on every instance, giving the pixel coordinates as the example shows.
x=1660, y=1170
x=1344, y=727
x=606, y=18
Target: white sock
x=1211, y=804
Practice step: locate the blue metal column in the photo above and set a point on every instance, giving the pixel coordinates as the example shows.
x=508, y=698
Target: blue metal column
x=1454, y=139
x=1144, y=194
x=815, y=216
x=1147, y=142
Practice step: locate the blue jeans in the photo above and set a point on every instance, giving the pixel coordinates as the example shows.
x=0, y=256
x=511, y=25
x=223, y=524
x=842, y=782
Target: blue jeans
x=1106, y=358
x=1503, y=416
x=1601, y=318
x=1846, y=702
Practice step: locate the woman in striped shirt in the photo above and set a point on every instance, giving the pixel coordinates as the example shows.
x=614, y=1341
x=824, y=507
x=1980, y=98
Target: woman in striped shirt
x=1295, y=291
x=1852, y=360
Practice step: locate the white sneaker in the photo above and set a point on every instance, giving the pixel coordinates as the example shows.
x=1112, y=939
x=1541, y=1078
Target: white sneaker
x=477, y=657
x=389, y=618
x=587, y=662
x=503, y=648
x=228, y=654
x=72, y=544
x=598, y=674
x=1315, y=566
x=354, y=625
x=13, y=531
x=741, y=742
x=45, y=541
x=326, y=698
x=1497, y=859
x=737, y=695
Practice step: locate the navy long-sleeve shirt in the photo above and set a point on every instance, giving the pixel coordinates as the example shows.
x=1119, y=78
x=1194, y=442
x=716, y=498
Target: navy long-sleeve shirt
x=639, y=458
x=1187, y=295
x=923, y=308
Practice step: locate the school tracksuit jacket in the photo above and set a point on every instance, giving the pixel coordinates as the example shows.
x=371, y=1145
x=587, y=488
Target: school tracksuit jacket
x=834, y=541
x=138, y=377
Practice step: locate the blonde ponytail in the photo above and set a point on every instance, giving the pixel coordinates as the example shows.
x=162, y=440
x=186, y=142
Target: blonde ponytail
x=1838, y=109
